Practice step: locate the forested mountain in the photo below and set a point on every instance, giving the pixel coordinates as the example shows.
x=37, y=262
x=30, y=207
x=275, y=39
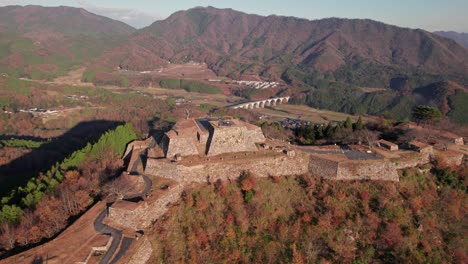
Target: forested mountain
x=44, y=42
x=231, y=42
x=328, y=63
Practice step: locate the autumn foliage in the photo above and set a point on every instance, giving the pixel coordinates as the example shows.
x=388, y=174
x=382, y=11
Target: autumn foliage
x=312, y=220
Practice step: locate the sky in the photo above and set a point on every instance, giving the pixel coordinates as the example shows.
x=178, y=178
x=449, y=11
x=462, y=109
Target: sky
x=431, y=15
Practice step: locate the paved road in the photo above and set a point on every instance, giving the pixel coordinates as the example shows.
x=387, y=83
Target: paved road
x=126, y=243
x=116, y=235
x=148, y=182
x=102, y=228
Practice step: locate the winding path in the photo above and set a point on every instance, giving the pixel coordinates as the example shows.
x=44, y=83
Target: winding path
x=116, y=235
x=104, y=229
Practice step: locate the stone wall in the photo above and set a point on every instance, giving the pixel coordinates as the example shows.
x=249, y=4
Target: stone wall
x=411, y=160
x=449, y=159
x=367, y=170
x=143, y=254
x=273, y=165
x=145, y=213
x=323, y=167
x=343, y=169
x=183, y=145
x=232, y=139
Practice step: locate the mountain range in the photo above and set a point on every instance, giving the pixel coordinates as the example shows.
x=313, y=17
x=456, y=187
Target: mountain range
x=43, y=42
x=460, y=38
x=317, y=58
x=230, y=41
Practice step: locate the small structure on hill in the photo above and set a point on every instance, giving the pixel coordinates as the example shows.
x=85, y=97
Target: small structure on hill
x=210, y=137
x=387, y=144
x=420, y=147
x=453, y=138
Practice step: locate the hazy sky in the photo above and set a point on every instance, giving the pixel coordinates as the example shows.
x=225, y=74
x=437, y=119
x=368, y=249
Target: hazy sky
x=427, y=14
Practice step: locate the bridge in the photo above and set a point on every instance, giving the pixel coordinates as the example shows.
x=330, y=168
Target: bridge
x=262, y=103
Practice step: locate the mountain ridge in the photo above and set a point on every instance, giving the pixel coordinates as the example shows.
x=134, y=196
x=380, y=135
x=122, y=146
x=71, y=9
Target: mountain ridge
x=44, y=42
x=210, y=35
x=460, y=37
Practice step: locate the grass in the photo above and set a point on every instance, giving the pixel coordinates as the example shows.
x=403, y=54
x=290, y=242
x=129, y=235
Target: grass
x=305, y=113
x=189, y=86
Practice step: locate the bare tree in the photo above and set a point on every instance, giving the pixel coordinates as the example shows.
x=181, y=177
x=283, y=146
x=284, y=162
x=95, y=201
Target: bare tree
x=362, y=136
x=423, y=135
x=8, y=235
x=118, y=188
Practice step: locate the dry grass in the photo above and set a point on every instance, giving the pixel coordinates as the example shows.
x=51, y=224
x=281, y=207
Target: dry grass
x=306, y=113
x=71, y=246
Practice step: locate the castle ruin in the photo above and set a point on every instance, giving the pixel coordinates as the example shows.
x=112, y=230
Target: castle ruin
x=210, y=137
x=201, y=150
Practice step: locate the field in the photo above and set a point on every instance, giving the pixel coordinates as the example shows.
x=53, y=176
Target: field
x=305, y=113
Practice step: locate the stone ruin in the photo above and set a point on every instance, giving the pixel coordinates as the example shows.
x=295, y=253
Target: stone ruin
x=210, y=149
x=210, y=137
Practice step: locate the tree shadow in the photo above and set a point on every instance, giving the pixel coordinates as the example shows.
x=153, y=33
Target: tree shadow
x=158, y=125
x=20, y=170
x=37, y=260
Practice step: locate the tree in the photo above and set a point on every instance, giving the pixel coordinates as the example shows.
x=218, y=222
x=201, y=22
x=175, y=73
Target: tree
x=119, y=187
x=359, y=124
x=348, y=123
x=8, y=235
x=425, y=113
x=329, y=131
x=10, y=213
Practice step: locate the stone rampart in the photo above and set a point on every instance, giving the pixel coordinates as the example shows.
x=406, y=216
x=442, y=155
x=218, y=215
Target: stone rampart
x=335, y=168
x=143, y=254
x=233, y=139
x=180, y=145
x=367, y=170
x=143, y=214
x=323, y=167
x=449, y=159
x=411, y=160
x=272, y=165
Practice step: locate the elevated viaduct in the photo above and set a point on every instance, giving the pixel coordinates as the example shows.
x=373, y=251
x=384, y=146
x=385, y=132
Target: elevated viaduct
x=262, y=103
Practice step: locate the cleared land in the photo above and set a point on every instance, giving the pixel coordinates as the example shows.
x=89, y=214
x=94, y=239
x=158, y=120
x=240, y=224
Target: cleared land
x=305, y=113
x=73, y=245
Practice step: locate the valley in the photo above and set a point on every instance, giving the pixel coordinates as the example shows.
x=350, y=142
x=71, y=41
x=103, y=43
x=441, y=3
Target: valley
x=215, y=135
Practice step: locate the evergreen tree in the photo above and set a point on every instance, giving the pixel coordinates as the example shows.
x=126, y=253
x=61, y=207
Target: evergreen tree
x=359, y=124
x=318, y=132
x=348, y=123
x=425, y=113
x=329, y=131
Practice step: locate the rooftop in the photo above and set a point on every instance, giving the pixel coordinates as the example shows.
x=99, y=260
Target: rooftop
x=388, y=143
x=418, y=144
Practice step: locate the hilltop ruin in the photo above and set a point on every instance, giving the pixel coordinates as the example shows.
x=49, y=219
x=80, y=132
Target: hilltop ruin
x=210, y=149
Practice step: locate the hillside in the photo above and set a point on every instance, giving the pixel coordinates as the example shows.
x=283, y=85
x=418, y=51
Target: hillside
x=231, y=42
x=312, y=220
x=43, y=42
x=461, y=38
